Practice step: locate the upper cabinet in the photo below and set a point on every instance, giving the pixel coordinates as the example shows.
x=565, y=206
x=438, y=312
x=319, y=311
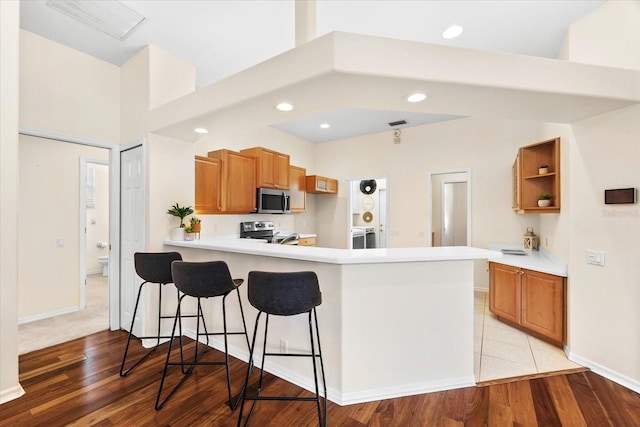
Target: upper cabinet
x=236, y=189
x=317, y=184
x=297, y=188
x=272, y=168
x=536, y=175
x=208, y=185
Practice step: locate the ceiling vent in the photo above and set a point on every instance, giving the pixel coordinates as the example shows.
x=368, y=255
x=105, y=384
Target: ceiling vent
x=398, y=123
x=108, y=16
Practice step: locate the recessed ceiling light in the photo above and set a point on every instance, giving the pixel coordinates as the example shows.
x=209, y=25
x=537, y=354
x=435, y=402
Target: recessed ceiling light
x=452, y=32
x=325, y=126
x=283, y=106
x=416, y=97
x=201, y=130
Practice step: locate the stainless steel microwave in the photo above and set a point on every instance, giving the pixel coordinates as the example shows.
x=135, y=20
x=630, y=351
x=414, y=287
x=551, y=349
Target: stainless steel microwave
x=272, y=201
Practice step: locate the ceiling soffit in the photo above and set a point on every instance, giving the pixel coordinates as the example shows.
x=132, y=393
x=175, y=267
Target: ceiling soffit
x=342, y=70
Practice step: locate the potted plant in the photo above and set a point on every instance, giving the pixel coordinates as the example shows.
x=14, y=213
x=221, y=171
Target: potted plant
x=189, y=234
x=181, y=212
x=544, y=200
x=543, y=169
x=196, y=224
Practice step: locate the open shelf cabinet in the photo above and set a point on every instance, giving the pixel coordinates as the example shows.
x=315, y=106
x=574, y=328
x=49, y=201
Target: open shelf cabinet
x=529, y=184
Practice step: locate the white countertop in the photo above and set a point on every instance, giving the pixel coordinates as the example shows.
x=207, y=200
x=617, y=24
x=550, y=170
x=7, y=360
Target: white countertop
x=540, y=260
x=336, y=256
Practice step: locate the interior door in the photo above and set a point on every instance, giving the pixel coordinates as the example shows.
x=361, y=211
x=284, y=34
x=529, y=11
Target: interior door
x=132, y=225
x=454, y=213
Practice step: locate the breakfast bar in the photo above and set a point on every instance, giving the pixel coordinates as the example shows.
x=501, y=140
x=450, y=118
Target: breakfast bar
x=393, y=322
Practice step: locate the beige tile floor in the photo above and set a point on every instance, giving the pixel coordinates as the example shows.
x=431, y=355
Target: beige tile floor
x=55, y=330
x=501, y=351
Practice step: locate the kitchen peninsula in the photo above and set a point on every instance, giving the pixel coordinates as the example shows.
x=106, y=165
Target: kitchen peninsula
x=393, y=322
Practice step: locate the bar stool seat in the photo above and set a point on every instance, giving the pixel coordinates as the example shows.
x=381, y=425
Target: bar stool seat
x=202, y=280
x=152, y=268
x=285, y=294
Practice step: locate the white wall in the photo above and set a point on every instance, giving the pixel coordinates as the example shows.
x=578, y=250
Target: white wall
x=604, y=320
x=64, y=90
x=49, y=204
x=9, y=100
x=487, y=146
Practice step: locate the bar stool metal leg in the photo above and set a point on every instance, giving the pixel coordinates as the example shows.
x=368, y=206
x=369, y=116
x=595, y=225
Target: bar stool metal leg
x=188, y=278
x=285, y=294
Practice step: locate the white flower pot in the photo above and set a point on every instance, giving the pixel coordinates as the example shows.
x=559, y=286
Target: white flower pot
x=189, y=236
x=544, y=203
x=177, y=233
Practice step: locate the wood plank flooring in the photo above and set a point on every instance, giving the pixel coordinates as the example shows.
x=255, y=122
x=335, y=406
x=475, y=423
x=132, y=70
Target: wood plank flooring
x=78, y=384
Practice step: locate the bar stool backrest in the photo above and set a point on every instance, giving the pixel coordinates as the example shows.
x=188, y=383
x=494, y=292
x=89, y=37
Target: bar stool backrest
x=284, y=294
x=155, y=267
x=202, y=279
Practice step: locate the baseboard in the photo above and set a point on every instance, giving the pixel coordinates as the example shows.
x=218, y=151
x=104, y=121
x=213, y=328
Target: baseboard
x=11, y=393
x=478, y=289
x=94, y=272
x=610, y=374
x=42, y=316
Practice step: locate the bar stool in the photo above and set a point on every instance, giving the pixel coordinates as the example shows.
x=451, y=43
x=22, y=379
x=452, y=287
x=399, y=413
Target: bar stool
x=155, y=268
x=202, y=280
x=285, y=294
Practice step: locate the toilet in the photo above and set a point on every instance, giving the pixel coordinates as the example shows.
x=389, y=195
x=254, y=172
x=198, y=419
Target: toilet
x=104, y=261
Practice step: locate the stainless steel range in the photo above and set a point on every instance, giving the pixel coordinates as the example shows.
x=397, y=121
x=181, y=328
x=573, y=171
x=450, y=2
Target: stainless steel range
x=265, y=230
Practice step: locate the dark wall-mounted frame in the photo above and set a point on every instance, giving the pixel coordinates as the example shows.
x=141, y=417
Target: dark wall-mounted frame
x=619, y=196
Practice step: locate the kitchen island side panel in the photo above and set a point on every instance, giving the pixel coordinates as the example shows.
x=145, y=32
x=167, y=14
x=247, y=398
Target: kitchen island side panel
x=407, y=328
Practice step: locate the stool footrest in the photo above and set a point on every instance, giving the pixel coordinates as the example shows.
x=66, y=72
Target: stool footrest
x=296, y=398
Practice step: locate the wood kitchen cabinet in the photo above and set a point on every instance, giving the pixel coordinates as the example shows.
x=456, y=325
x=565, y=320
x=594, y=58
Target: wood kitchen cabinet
x=317, y=184
x=529, y=184
x=208, y=185
x=237, y=182
x=297, y=189
x=528, y=299
x=272, y=168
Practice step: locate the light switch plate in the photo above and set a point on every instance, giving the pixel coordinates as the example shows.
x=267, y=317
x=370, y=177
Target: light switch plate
x=595, y=257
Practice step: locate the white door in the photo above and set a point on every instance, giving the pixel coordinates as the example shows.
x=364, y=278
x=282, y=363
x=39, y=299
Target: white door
x=132, y=225
x=454, y=213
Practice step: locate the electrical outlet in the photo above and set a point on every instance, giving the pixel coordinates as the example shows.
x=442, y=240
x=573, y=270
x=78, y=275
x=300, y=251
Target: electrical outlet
x=60, y=243
x=595, y=257
x=284, y=346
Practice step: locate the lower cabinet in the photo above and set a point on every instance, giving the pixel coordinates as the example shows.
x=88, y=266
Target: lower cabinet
x=529, y=299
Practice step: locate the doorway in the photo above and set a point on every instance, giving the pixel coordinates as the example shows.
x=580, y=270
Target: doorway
x=367, y=223
x=51, y=252
x=449, y=207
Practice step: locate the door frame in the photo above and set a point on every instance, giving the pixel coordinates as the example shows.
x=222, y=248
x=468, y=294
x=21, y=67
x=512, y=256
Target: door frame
x=114, y=209
x=430, y=175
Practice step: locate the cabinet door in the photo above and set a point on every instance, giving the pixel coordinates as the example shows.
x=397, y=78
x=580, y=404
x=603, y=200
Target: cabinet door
x=240, y=177
x=297, y=188
x=281, y=170
x=266, y=169
x=207, y=186
x=504, y=291
x=543, y=304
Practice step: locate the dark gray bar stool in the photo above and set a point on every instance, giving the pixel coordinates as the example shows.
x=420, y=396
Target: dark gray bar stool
x=154, y=268
x=285, y=294
x=202, y=280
